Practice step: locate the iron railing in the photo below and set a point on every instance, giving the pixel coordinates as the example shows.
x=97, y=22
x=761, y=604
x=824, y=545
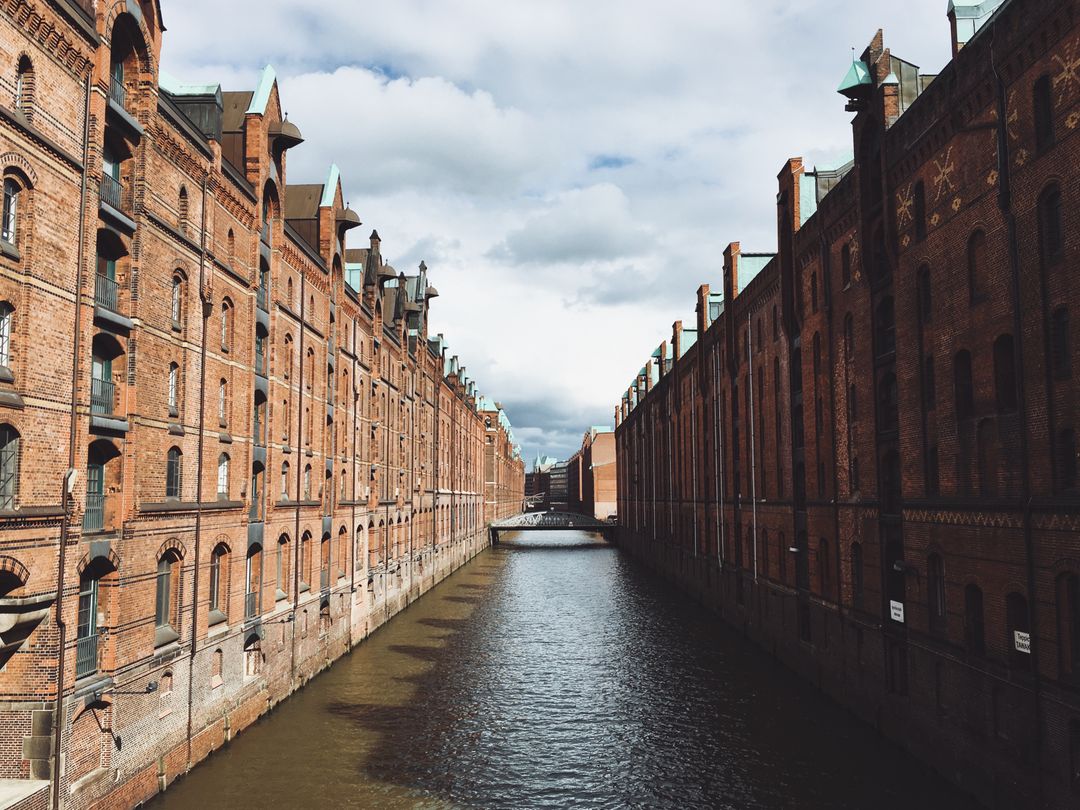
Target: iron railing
x=118, y=93
x=106, y=293
x=251, y=605
x=112, y=192
x=102, y=396
x=86, y=656
x=94, y=515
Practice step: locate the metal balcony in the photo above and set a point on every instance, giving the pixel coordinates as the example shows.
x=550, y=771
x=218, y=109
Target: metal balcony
x=112, y=192
x=94, y=515
x=86, y=656
x=106, y=293
x=102, y=397
x=118, y=93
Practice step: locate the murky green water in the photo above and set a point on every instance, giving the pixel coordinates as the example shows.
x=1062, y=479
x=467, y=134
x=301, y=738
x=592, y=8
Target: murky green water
x=553, y=672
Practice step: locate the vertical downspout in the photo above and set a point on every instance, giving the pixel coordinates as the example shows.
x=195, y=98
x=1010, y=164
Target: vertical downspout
x=206, y=309
x=718, y=463
x=61, y=627
x=352, y=507
x=826, y=280
x=1005, y=204
x=753, y=459
x=693, y=452
x=299, y=471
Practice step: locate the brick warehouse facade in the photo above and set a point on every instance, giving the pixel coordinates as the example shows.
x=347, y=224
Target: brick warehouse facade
x=863, y=453
x=229, y=448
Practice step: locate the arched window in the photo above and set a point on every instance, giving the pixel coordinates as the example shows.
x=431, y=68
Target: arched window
x=253, y=582
x=174, y=389
x=845, y=265
x=223, y=476
x=929, y=382
x=924, y=295
x=24, y=87
x=285, y=480
x=817, y=354
x=219, y=583
x=182, y=210
x=1051, y=227
x=9, y=466
x=933, y=473
x=891, y=493
x=849, y=336
x=173, y=472
x=974, y=633
x=813, y=292
x=223, y=401
x=226, y=324
x=177, y=301
x=309, y=368
x=282, y=566
x=775, y=324
x=1066, y=462
x=305, y=561
x=324, y=561
x=935, y=592
x=857, y=586
x=10, y=221
x=307, y=482
x=168, y=581
x=919, y=204
x=976, y=264
x=1043, y=113
x=230, y=246
x=1060, y=356
x=86, y=633
x=7, y=314
x=1005, y=374
x=965, y=394
x=886, y=327
x=289, y=292
x=287, y=351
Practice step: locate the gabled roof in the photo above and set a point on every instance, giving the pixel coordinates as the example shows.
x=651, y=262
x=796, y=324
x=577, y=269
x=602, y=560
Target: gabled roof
x=234, y=104
x=261, y=96
x=330, y=187
x=302, y=201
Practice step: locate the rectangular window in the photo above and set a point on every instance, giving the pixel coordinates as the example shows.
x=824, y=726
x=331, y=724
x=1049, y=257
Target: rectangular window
x=162, y=612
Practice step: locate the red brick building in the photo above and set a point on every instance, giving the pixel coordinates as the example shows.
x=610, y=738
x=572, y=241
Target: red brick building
x=864, y=453
x=591, y=476
x=229, y=448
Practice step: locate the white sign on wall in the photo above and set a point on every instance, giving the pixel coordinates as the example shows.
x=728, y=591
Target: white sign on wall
x=896, y=611
x=1022, y=641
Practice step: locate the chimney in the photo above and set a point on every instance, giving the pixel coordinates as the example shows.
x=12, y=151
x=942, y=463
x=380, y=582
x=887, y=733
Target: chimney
x=648, y=376
x=676, y=341
x=663, y=359
x=702, y=310
x=966, y=17
x=375, y=241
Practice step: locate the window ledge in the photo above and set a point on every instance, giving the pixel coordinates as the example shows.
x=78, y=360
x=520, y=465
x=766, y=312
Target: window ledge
x=9, y=250
x=165, y=635
x=177, y=326
x=6, y=374
x=217, y=618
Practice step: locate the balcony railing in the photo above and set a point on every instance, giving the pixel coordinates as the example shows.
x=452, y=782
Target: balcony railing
x=86, y=656
x=102, y=396
x=106, y=293
x=118, y=93
x=94, y=516
x=251, y=605
x=112, y=192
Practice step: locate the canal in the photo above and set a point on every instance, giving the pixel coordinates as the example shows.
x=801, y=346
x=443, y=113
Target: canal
x=551, y=671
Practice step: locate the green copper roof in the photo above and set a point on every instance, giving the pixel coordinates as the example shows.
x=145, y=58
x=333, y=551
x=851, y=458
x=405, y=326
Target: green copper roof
x=330, y=188
x=171, y=84
x=261, y=97
x=857, y=74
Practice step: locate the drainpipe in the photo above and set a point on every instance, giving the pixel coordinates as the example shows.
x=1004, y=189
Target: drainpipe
x=693, y=451
x=1007, y=213
x=719, y=464
x=753, y=458
x=352, y=508
x=299, y=442
x=61, y=627
x=826, y=267
x=206, y=309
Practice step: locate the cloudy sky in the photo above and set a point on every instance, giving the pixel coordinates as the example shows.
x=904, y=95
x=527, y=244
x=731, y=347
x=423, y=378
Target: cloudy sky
x=570, y=171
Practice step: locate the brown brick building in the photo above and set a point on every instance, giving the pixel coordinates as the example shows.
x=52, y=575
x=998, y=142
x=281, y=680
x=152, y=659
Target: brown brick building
x=591, y=476
x=864, y=453
x=229, y=448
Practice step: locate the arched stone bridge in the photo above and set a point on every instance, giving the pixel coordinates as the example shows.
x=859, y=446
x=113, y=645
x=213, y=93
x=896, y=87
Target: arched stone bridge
x=551, y=521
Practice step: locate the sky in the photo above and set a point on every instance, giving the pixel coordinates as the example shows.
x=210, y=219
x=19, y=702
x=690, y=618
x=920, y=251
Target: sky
x=571, y=172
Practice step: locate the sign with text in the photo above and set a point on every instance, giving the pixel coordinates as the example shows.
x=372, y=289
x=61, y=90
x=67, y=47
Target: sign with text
x=1022, y=641
x=896, y=611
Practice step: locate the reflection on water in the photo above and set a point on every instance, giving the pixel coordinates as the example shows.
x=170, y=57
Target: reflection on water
x=562, y=677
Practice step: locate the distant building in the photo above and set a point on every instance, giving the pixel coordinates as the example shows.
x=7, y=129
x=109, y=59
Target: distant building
x=538, y=484
x=558, y=489
x=591, y=475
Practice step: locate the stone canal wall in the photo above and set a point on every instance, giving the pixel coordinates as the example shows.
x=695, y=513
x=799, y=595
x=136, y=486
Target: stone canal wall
x=245, y=697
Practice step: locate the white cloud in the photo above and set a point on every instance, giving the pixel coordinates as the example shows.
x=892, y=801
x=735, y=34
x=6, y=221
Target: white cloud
x=475, y=135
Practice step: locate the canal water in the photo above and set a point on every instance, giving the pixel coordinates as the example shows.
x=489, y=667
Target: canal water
x=552, y=671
